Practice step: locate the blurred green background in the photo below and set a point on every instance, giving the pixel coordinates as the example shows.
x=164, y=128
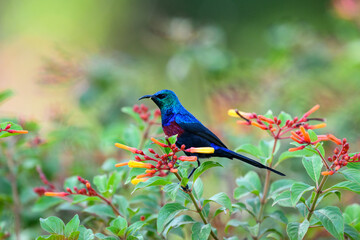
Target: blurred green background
x=74, y=64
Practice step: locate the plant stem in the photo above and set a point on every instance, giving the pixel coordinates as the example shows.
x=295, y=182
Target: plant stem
x=108, y=202
x=323, y=159
x=317, y=195
x=198, y=209
x=267, y=183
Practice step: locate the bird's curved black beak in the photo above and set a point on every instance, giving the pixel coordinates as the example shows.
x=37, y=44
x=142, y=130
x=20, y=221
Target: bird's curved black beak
x=146, y=96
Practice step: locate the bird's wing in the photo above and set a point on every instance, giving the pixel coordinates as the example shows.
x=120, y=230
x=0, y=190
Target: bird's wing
x=197, y=128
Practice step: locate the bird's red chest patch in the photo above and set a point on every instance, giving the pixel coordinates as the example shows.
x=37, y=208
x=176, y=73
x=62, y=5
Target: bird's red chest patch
x=172, y=129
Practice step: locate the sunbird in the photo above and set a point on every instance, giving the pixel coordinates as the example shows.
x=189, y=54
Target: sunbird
x=175, y=119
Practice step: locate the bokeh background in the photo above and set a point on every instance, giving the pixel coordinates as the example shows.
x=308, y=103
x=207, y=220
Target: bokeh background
x=73, y=65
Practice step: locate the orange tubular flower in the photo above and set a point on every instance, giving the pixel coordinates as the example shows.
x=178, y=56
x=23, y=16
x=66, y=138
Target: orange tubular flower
x=18, y=131
x=188, y=159
x=268, y=120
x=334, y=139
x=158, y=142
x=136, y=164
x=138, y=180
x=296, y=139
x=305, y=134
x=297, y=148
x=122, y=146
x=56, y=194
x=256, y=124
x=312, y=110
x=206, y=150
x=121, y=164
x=321, y=125
x=326, y=173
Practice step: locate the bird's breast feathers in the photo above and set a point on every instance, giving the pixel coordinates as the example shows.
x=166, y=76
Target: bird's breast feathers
x=172, y=128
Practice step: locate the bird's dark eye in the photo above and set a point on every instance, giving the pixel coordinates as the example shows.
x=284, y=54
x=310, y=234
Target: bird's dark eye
x=161, y=96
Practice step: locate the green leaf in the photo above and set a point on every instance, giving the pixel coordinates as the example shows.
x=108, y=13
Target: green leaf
x=113, y=182
x=283, y=199
x=251, y=182
x=154, y=181
x=83, y=198
x=100, y=183
x=136, y=226
x=102, y=210
x=354, y=165
x=203, y=167
x=85, y=234
x=250, y=149
x=353, y=175
x=266, y=148
x=173, y=139
x=74, y=236
x=298, y=154
x=72, y=226
x=352, y=214
x=236, y=223
x=122, y=204
x=347, y=185
x=254, y=230
x=332, y=220
x=297, y=190
x=118, y=226
x=198, y=188
x=200, y=231
x=313, y=166
x=351, y=232
x=172, y=190
x=167, y=213
x=178, y=221
x=44, y=203
x=5, y=94
x=53, y=225
x=103, y=237
x=280, y=185
x=279, y=216
x=297, y=231
x=222, y=199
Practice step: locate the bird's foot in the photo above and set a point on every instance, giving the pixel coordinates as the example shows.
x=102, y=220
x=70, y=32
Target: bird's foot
x=186, y=189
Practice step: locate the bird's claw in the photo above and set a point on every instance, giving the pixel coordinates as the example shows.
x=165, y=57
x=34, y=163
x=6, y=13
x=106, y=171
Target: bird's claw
x=186, y=189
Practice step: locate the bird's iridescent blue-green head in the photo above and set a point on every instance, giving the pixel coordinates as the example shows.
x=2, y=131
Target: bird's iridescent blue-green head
x=163, y=99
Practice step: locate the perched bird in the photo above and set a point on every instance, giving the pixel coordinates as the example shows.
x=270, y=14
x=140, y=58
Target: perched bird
x=191, y=132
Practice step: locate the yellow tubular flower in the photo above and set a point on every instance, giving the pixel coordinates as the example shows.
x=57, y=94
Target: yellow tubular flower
x=122, y=146
x=137, y=180
x=206, y=150
x=233, y=113
x=136, y=164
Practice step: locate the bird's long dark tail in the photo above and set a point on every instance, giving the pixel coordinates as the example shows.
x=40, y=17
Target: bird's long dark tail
x=250, y=161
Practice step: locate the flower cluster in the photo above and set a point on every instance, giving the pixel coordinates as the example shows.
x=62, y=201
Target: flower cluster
x=301, y=136
x=145, y=114
x=87, y=190
x=41, y=190
x=161, y=164
x=7, y=129
x=275, y=125
x=340, y=157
